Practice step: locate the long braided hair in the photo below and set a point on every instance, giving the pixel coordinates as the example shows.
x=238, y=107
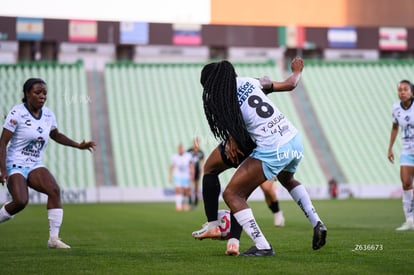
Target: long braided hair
x=221, y=105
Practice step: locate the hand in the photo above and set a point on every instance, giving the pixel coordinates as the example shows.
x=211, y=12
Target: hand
x=297, y=64
x=265, y=82
x=391, y=156
x=90, y=145
x=232, y=151
x=3, y=178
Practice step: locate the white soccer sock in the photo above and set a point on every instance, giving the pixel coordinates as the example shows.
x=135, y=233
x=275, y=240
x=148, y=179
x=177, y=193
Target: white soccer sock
x=301, y=197
x=4, y=215
x=213, y=224
x=55, y=217
x=407, y=201
x=233, y=241
x=246, y=219
x=179, y=200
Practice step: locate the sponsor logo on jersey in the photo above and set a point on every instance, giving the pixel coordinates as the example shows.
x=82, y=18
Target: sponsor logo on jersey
x=34, y=148
x=244, y=91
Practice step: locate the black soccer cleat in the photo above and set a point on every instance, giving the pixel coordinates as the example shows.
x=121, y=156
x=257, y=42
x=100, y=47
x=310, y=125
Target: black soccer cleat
x=253, y=251
x=319, y=236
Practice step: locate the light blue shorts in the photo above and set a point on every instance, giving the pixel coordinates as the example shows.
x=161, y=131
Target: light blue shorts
x=181, y=182
x=406, y=160
x=23, y=170
x=283, y=158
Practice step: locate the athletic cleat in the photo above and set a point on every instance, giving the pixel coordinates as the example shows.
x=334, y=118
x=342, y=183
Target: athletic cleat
x=55, y=242
x=232, y=249
x=279, y=219
x=254, y=252
x=408, y=225
x=319, y=236
x=206, y=232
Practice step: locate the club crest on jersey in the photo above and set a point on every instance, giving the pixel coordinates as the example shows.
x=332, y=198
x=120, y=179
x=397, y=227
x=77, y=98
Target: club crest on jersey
x=407, y=118
x=13, y=122
x=39, y=129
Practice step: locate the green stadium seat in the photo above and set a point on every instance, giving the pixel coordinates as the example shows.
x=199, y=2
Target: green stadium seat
x=353, y=102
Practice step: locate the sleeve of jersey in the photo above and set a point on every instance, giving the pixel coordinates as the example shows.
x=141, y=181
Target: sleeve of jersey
x=54, y=123
x=11, y=121
x=394, y=119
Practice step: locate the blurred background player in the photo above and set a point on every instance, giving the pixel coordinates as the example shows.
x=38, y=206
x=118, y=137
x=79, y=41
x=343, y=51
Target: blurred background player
x=26, y=132
x=180, y=173
x=269, y=192
x=403, y=116
x=197, y=159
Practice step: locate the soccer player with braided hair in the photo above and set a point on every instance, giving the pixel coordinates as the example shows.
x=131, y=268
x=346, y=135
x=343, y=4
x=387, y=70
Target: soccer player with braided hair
x=222, y=158
x=237, y=110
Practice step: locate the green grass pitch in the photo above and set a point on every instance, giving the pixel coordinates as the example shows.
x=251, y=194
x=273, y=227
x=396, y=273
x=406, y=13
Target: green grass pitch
x=152, y=238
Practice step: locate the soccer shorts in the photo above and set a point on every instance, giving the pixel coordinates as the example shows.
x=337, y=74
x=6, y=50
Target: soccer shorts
x=283, y=158
x=23, y=170
x=406, y=160
x=222, y=148
x=181, y=182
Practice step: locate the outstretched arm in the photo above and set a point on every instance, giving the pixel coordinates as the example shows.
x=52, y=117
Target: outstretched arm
x=289, y=83
x=64, y=140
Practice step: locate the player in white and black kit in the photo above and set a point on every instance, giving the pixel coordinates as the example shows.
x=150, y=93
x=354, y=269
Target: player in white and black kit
x=23, y=141
x=197, y=160
x=237, y=110
x=403, y=117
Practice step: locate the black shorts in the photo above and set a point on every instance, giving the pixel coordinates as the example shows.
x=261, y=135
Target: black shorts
x=222, y=148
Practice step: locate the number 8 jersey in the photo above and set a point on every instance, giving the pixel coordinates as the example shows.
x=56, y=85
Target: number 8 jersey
x=268, y=127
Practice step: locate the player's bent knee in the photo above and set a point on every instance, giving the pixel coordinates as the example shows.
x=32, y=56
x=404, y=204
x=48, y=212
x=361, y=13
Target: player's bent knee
x=20, y=203
x=54, y=191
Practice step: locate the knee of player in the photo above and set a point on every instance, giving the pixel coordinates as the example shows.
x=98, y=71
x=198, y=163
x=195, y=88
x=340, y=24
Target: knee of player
x=407, y=184
x=228, y=195
x=20, y=202
x=54, y=191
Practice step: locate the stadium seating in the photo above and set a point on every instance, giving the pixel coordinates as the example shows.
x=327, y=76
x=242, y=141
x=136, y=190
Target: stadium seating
x=353, y=102
x=68, y=98
x=154, y=107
